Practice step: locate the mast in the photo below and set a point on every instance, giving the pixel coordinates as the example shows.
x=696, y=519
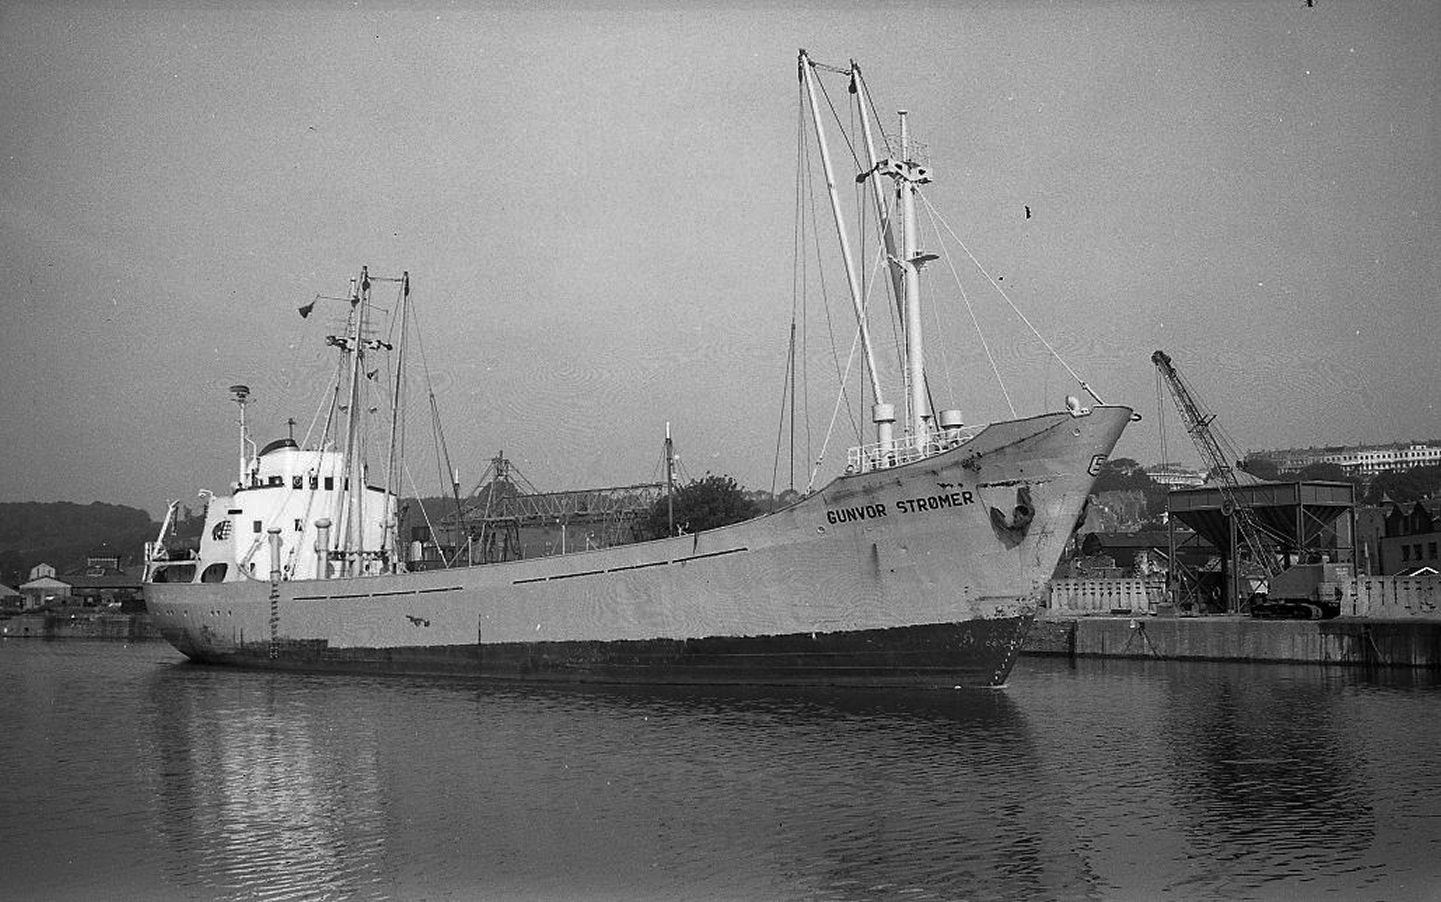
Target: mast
x=240, y=394
x=911, y=261
x=669, y=483
x=353, y=488
x=905, y=265
x=882, y=413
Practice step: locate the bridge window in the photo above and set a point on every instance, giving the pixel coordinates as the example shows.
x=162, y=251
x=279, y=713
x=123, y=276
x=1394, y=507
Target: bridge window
x=255, y=527
x=215, y=573
x=297, y=482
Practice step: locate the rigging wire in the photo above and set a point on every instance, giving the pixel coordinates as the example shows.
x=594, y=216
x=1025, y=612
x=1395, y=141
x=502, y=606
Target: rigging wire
x=437, y=431
x=1002, y=292
x=850, y=359
x=875, y=113
x=825, y=296
x=845, y=133
x=971, y=311
x=787, y=388
x=810, y=483
x=798, y=293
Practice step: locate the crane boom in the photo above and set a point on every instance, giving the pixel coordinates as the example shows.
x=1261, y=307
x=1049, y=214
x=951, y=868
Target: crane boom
x=1222, y=467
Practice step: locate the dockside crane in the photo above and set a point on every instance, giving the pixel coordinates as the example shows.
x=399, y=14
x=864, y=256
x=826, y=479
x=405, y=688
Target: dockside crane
x=1222, y=464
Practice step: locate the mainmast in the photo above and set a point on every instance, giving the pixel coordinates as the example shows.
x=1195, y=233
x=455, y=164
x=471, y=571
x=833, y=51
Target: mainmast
x=907, y=175
x=905, y=265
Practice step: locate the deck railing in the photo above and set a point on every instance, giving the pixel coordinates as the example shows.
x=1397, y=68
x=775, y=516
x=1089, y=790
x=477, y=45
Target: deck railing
x=903, y=450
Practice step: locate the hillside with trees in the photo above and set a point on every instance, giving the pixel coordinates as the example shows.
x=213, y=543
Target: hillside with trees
x=62, y=534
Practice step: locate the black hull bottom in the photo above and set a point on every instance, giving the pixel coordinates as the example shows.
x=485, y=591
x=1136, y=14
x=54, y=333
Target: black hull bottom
x=972, y=653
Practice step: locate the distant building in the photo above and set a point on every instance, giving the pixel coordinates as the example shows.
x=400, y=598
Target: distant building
x=1370, y=530
x=113, y=588
x=102, y=558
x=43, y=588
x=1360, y=460
x=9, y=598
x=103, y=582
x=1173, y=475
x=1412, y=540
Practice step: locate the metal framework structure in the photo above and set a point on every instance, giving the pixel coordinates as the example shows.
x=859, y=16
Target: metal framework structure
x=504, y=502
x=1299, y=521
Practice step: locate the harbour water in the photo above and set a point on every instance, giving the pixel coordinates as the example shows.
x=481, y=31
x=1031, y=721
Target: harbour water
x=130, y=774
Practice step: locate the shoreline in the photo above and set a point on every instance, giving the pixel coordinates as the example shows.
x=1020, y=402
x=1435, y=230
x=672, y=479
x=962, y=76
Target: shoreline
x=81, y=624
x=1343, y=641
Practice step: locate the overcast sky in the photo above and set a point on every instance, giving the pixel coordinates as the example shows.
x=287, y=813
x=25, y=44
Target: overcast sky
x=595, y=202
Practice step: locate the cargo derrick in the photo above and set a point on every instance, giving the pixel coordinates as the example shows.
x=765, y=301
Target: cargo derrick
x=1245, y=528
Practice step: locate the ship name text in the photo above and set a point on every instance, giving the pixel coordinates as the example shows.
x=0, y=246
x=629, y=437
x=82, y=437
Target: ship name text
x=903, y=506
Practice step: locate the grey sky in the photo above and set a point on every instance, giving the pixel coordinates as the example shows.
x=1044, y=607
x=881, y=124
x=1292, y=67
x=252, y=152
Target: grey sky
x=595, y=203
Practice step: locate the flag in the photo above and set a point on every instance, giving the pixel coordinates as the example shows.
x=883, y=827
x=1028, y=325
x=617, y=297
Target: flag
x=305, y=311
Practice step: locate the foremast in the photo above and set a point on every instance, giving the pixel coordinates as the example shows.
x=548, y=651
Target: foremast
x=920, y=436
x=352, y=506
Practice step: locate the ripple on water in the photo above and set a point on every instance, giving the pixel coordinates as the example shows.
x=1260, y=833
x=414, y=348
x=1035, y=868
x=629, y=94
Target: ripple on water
x=1121, y=780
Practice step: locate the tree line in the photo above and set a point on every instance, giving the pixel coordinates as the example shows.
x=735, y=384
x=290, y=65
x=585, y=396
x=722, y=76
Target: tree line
x=1401, y=486
x=62, y=534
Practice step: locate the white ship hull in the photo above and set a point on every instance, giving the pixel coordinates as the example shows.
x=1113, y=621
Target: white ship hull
x=925, y=574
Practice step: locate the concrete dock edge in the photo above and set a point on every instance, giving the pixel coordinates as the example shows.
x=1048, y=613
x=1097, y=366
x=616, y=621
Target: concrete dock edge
x=1348, y=641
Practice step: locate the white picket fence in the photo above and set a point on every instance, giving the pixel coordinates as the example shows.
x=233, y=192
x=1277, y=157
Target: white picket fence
x=1104, y=596
x=1378, y=597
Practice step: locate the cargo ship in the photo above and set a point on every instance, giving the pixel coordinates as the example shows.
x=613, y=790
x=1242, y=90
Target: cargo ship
x=921, y=565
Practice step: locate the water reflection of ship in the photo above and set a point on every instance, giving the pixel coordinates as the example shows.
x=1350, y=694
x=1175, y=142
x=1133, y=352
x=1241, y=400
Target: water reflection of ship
x=840, y=788
x=338, y=786
x=255, y=795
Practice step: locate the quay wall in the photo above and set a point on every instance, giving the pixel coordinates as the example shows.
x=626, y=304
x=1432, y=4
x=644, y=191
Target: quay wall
x=119, y=627
x=1346, y=641
x=1385, y=621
